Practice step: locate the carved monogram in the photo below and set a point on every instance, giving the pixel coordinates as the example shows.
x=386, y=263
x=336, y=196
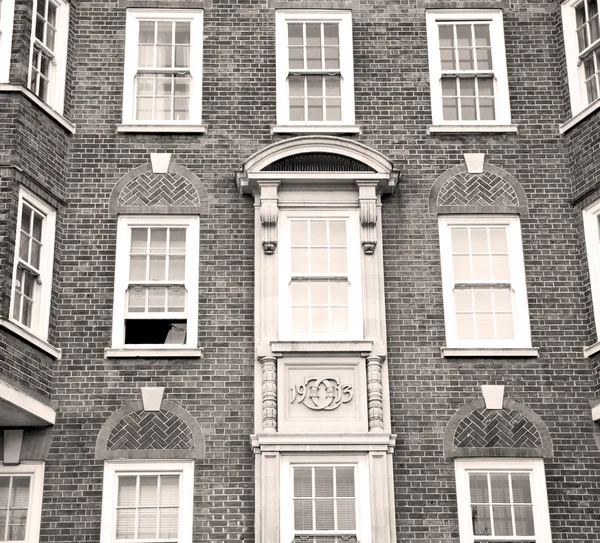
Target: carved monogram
x=321, y=394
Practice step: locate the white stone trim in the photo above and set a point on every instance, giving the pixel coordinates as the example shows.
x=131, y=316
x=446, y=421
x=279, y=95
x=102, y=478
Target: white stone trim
x=472, y=129
x=67, y=125
x=183, y=468
x=24, y=402
x=30, y=338
x=156, y=352
x=449, y=352
x=315, y=129
x=596, y=413
x=152, y=397
x=165, y=128
x=534, y=467
x=576, y=119
x=493, y=396
x=591, y=350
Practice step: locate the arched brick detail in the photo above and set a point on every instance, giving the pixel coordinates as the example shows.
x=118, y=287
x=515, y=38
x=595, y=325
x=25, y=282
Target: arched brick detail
x=494, y=190
x=143, y=192
x=513, y=431
x=132, y=433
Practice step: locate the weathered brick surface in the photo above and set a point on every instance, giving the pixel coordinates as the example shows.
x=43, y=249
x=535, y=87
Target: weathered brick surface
x=393, y=109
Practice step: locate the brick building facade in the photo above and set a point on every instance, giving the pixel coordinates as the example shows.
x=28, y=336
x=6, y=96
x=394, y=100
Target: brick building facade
x=290, y=270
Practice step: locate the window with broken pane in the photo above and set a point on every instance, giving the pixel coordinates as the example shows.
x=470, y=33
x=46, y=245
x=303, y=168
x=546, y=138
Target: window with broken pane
x=156, y=298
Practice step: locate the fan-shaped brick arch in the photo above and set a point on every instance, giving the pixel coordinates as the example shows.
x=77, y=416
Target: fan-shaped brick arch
x=132, y=432
x=492, y=190
x=149, y=192
x=513, y=431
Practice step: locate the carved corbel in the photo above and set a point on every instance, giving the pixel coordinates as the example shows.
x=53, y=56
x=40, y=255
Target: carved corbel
x=367, y=198
x=269, y=214
x=269, y=393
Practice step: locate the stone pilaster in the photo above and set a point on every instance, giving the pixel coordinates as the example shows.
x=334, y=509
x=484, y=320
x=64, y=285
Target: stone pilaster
x=375, y=393
x=269, y=393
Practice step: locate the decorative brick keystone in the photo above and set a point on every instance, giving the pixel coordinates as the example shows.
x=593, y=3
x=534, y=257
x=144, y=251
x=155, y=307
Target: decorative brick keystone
x=493, y=396
x=13, y=439
x=474, y=162
x=152, y=398
x=160, y=162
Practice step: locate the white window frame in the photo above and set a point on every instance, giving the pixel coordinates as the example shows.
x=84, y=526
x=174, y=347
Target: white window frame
x=125, y=224
x=591, y=226
x=575, y=68
x=344, y=18
x=42, y=288
x=134, y=16
x=36, y=488
x=362, y=490
x=501, y=92
x=535, y=467
x=355, y=319
x=7, y=14
x=522, y=337
x=58, y=69
x=112, y=471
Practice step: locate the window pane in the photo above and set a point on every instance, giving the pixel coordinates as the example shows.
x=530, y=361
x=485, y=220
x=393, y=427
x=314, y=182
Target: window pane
x=502, y=520
x=338, y=260
x=482, y=522
x=137, y=300
x=147, y=523
x=346, y=515
x=466, y=59
x=4, y=488
x=148, y=490
x=483, y=300
x=465, y=326
x=339, y=319
x=125, y=524
x=299, y=260
x=463, y=299
x=499, y=485
x=319, y=319
x=521, y=488
x=463, y=35
x=137, y=268
x=524, y=520
x=339, y=292
x=462, y=268
x=481, y=267
x=156, y=299
x=504, y=326
x=295, y=34
x=478, y=484
x=158, y=240
x=177, y=268
x=446, y=35
x=318, y=233
x=502, y=299
x=324, y=514
x=344, y=482
x=319, y=293
x=482, y=35
x=168, y=523
x=484, y=326
x=20, y=493
x=176, y=299
x=303, y=515
x=157, y=268
x=299, y=292
x=319, y=261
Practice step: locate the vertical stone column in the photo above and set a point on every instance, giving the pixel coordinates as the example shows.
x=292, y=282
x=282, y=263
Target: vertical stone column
x=375, y=393
x=269, y=394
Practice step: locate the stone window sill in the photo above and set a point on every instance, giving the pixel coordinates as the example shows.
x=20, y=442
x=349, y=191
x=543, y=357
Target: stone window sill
x=321, y=347
x=31, y=338
x=500, y=352
x=472, y=128
x=576, y=119
x=591, y=350
x=67, y=125
x=162, y=128
x=170, y=352
x=315, y=129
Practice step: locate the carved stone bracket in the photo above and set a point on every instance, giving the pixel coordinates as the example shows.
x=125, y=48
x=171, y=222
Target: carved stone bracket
x=375, y=393
x=367, y=198
x=269, y=213
x=269, y=393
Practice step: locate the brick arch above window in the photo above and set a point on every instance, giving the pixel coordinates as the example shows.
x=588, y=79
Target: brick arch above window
x=159, y=188
x=513, y=431
x=479, y=188
x=134, y=433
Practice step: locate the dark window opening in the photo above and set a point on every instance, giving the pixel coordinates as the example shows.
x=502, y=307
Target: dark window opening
x=155, y=332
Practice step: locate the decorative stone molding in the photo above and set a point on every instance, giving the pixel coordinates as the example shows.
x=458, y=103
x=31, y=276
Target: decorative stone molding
x=269, y=214
x=375, y=393
x=34, y=447
x=269, y=393
x=133, y=433
x=493, y=396
x=311, y=394
x=367, y=198
x=150, y=190
x=13, y=441
x=152, y=398
x=476, y=187
x=513, y=431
